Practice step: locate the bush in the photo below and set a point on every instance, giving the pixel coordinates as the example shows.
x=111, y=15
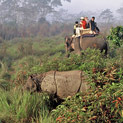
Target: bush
x=94, y=106
x=99, y=104
x=22, y=68
x=116, y=35
x=90, y=59
x=104, y=100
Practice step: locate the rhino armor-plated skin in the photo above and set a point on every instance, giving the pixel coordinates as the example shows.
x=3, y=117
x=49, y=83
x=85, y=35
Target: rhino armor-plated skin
x=63, y=84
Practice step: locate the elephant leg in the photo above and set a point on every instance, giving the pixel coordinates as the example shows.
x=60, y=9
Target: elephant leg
x=105, y=49
x=69, y=50
x=67, y=54
x=77, y=46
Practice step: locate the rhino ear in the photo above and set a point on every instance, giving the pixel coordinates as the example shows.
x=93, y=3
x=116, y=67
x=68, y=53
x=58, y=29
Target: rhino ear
x=30, y=76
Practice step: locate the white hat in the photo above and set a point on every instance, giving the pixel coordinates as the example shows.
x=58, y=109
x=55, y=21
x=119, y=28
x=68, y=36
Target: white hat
x=81, y=18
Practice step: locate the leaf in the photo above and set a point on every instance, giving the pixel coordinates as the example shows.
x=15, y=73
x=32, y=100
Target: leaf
x=93, y=118
x=121, y=113
x=112, y=109
x=84, y=109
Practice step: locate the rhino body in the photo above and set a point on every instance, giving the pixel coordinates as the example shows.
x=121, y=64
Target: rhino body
x=63, y=84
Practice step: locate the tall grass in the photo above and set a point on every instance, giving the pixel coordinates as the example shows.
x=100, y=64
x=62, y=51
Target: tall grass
x=16, y=106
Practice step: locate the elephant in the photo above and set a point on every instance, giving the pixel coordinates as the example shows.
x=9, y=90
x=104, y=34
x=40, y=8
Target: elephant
x=61, y=84
x=77, y=44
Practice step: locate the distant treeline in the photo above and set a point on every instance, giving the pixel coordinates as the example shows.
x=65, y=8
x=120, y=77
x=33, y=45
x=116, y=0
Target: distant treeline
x=43, y=28
x=12, y=30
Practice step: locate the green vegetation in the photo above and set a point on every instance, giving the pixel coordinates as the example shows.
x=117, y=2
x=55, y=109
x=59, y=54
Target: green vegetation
x=16, y=106
x=102, y=103
x=21, y=57
x=116, y=35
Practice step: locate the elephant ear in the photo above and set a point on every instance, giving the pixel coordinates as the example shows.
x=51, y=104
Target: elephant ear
x=71, y=38
x=66, y=38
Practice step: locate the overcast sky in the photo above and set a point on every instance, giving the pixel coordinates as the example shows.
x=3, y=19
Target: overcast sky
x=77, y=6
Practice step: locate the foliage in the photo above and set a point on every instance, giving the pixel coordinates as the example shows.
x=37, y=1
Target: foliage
x=116, y=35
x=103, y=102
x=120, y=11
x=24, y=10
x=91, y=58
x=106, y=15
x=99, y=104
x=16, y=106
x=94, y=106
x=9, y=31
x=22, y=68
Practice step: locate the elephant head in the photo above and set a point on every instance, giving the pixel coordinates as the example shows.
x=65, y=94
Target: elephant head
x=69, y=44
x=72, y=44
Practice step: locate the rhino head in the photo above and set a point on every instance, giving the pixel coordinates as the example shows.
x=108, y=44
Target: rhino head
x=32, y=84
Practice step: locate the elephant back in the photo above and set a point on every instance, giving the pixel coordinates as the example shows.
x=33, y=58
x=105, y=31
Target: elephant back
x=97, y=42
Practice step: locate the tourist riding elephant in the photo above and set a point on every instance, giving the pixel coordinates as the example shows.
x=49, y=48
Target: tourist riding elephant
x=82, y=43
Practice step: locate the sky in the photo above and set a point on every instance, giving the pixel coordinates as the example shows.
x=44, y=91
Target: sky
x=77, y=6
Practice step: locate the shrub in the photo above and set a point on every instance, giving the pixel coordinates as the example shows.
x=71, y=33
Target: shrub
x=22, y=67
x=97, y=105
x=103, y=102
x=116, y=35
x=91, y=58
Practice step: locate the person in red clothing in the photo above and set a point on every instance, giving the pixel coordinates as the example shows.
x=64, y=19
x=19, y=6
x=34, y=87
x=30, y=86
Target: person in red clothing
x=83, y=23
x=87, y=21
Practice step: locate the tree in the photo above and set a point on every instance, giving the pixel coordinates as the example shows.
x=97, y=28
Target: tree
x=60, y=16
x=27, y=10
x=106, y=15
x=120, y=11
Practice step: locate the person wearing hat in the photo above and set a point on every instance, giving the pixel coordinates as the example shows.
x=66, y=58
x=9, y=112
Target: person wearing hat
x=83, y=23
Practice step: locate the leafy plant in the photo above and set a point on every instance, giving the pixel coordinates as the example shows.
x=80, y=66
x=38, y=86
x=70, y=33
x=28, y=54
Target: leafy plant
x=101, y=105
x=116, y=35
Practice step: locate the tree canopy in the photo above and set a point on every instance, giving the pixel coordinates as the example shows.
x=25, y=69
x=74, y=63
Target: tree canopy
x=106, y=15
x=27, y=10
x=120, y=11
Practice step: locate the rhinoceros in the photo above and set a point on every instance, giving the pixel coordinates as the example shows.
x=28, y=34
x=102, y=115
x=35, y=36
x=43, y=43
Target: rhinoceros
x=62, y=84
